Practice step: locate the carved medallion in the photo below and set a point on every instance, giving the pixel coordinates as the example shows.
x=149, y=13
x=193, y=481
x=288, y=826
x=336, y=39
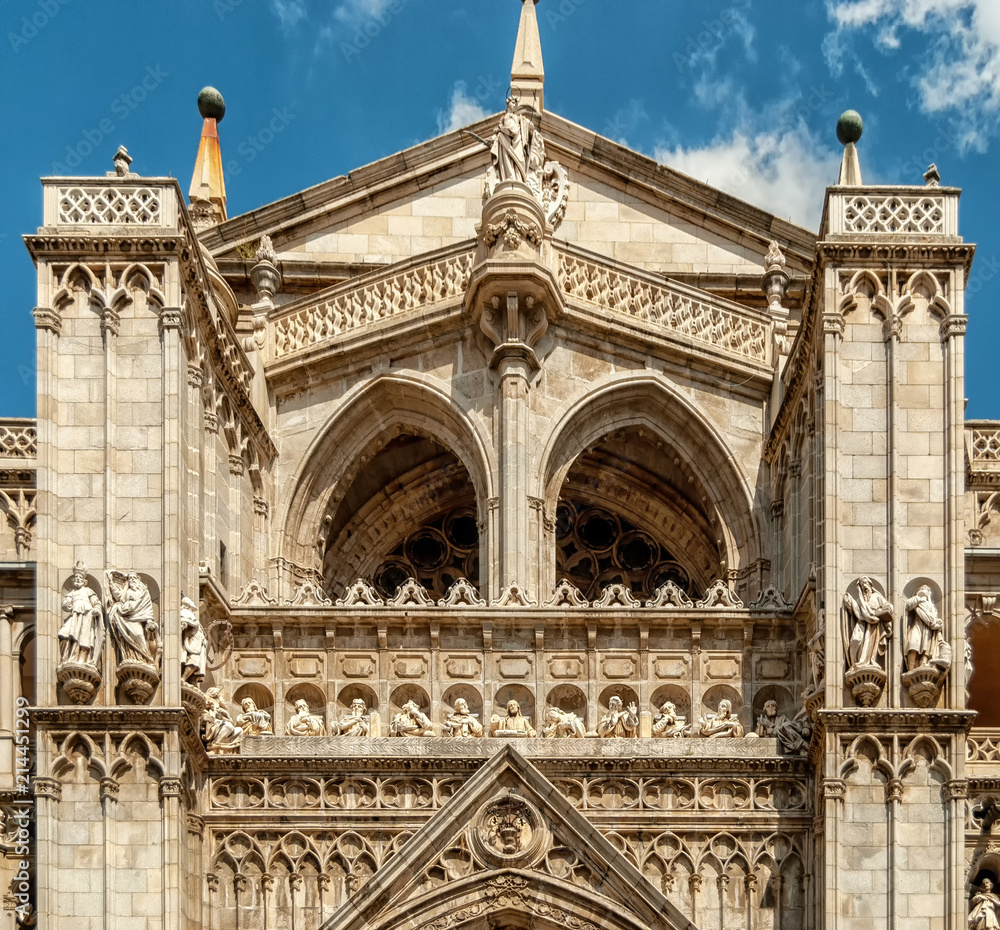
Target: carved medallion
x=508, y=831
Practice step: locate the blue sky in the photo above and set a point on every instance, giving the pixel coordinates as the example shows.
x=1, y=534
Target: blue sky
x=744, y=94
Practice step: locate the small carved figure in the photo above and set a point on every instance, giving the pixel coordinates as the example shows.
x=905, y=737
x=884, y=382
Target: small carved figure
x=512, y=145
x=513, y=723
x=817, y=660
x=924, y=638
x=619, y=722
x=787, y=732
x=304, y=722
x=871, y=619
x=668, y=724
x=356, y=722
x=81, y=637
x=723, y=723
x=130, y=619
x=194, y=644
x=219, y=731
x=985, y=913
x=563, y=724
x=253, y=721
x=461, y=723
x=411, y=721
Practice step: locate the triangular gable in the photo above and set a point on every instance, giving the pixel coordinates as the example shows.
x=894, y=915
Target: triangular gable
x=508, y=843
x=430, y=196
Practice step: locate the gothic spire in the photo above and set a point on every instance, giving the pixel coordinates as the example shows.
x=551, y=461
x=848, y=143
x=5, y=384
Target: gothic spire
x=527, y=74
x=208, y=185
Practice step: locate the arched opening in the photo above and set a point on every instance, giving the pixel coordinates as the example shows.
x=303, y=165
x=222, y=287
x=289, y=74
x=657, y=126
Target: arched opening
x=984, y=685
x=631, y=512
x=678, y=502
x=410, y=512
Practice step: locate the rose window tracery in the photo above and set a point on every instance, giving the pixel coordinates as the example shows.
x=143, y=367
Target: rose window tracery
x=596, y=548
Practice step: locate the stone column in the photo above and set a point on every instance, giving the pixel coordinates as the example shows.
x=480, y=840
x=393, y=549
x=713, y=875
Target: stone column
x=8, y=696
x=514, y=373
x=172, y=551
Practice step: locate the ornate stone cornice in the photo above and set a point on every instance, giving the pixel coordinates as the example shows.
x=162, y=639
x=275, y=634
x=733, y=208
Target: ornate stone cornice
x=133, y=247
x=869, y=720
x=878, y=253
x=94, y=718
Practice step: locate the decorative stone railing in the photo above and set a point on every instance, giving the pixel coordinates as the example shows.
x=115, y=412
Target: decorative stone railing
x=982, y=450
x=914, y=211
x=983, y=745
x=367, y=300
x=18, y=439
x=125, y=202
x=727, y=326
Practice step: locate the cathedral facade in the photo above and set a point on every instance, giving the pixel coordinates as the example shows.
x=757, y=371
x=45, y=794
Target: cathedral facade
x=513, y=532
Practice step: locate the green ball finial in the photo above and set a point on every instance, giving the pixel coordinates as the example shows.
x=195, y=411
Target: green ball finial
x=211, y=105
x=849, y=127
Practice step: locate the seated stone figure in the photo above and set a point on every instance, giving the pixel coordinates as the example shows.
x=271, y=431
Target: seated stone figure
x=723, y=723
x=218, y=729
x=668, y=724
x=563, y=724
x=792, y=735
x=357, y=722
x=304, y=722
x=411, y=721
x=461, y=723
x=511, y=724
x=619, y=722
x=254, y=722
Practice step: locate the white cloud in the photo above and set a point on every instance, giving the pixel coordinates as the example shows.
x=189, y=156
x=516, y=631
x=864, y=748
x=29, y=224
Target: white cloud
x=357, y=11
x=462, y=111
x=289, y=12
x=959, y=72
x=783, y=172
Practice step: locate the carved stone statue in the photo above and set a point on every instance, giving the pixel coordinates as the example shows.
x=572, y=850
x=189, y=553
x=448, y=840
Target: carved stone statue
x=304, y=722
x=563, y=724
x=513, y=723
x=357, y=722
x=130, y=619
x=668, y=724
x=619, y=722
x=194, y=644
x=461, y=723
x=985, y=913
x=218, y=730
x=511, y=152
x=253, y=721
x=817, y=660
x=924, y=638
x=81, y=637
x=723, y=723
x=870, y=618
x=788, y=733
x=411, y=721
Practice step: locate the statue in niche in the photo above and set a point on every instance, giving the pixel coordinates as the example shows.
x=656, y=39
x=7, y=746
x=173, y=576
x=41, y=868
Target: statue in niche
x=194, y=644
x=130, y=619
x=870, y=618
x=925, y=645
x=985, y=913
x=304, y=722
x=357, y=721
x=253, y=721
x=511, y=724
x=411, y=721
x=817, y=661
x=789, y=733
x=723, y=723
x=461, y=723
x=619, y=722
x=668, y=724
x=81, y=637
x=219, y=731
x=562, y=724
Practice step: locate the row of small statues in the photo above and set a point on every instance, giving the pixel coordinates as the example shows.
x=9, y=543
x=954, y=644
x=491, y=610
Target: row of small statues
x=222, y=732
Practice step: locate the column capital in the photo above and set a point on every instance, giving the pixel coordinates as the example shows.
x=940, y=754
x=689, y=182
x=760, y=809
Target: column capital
x=47, y=318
